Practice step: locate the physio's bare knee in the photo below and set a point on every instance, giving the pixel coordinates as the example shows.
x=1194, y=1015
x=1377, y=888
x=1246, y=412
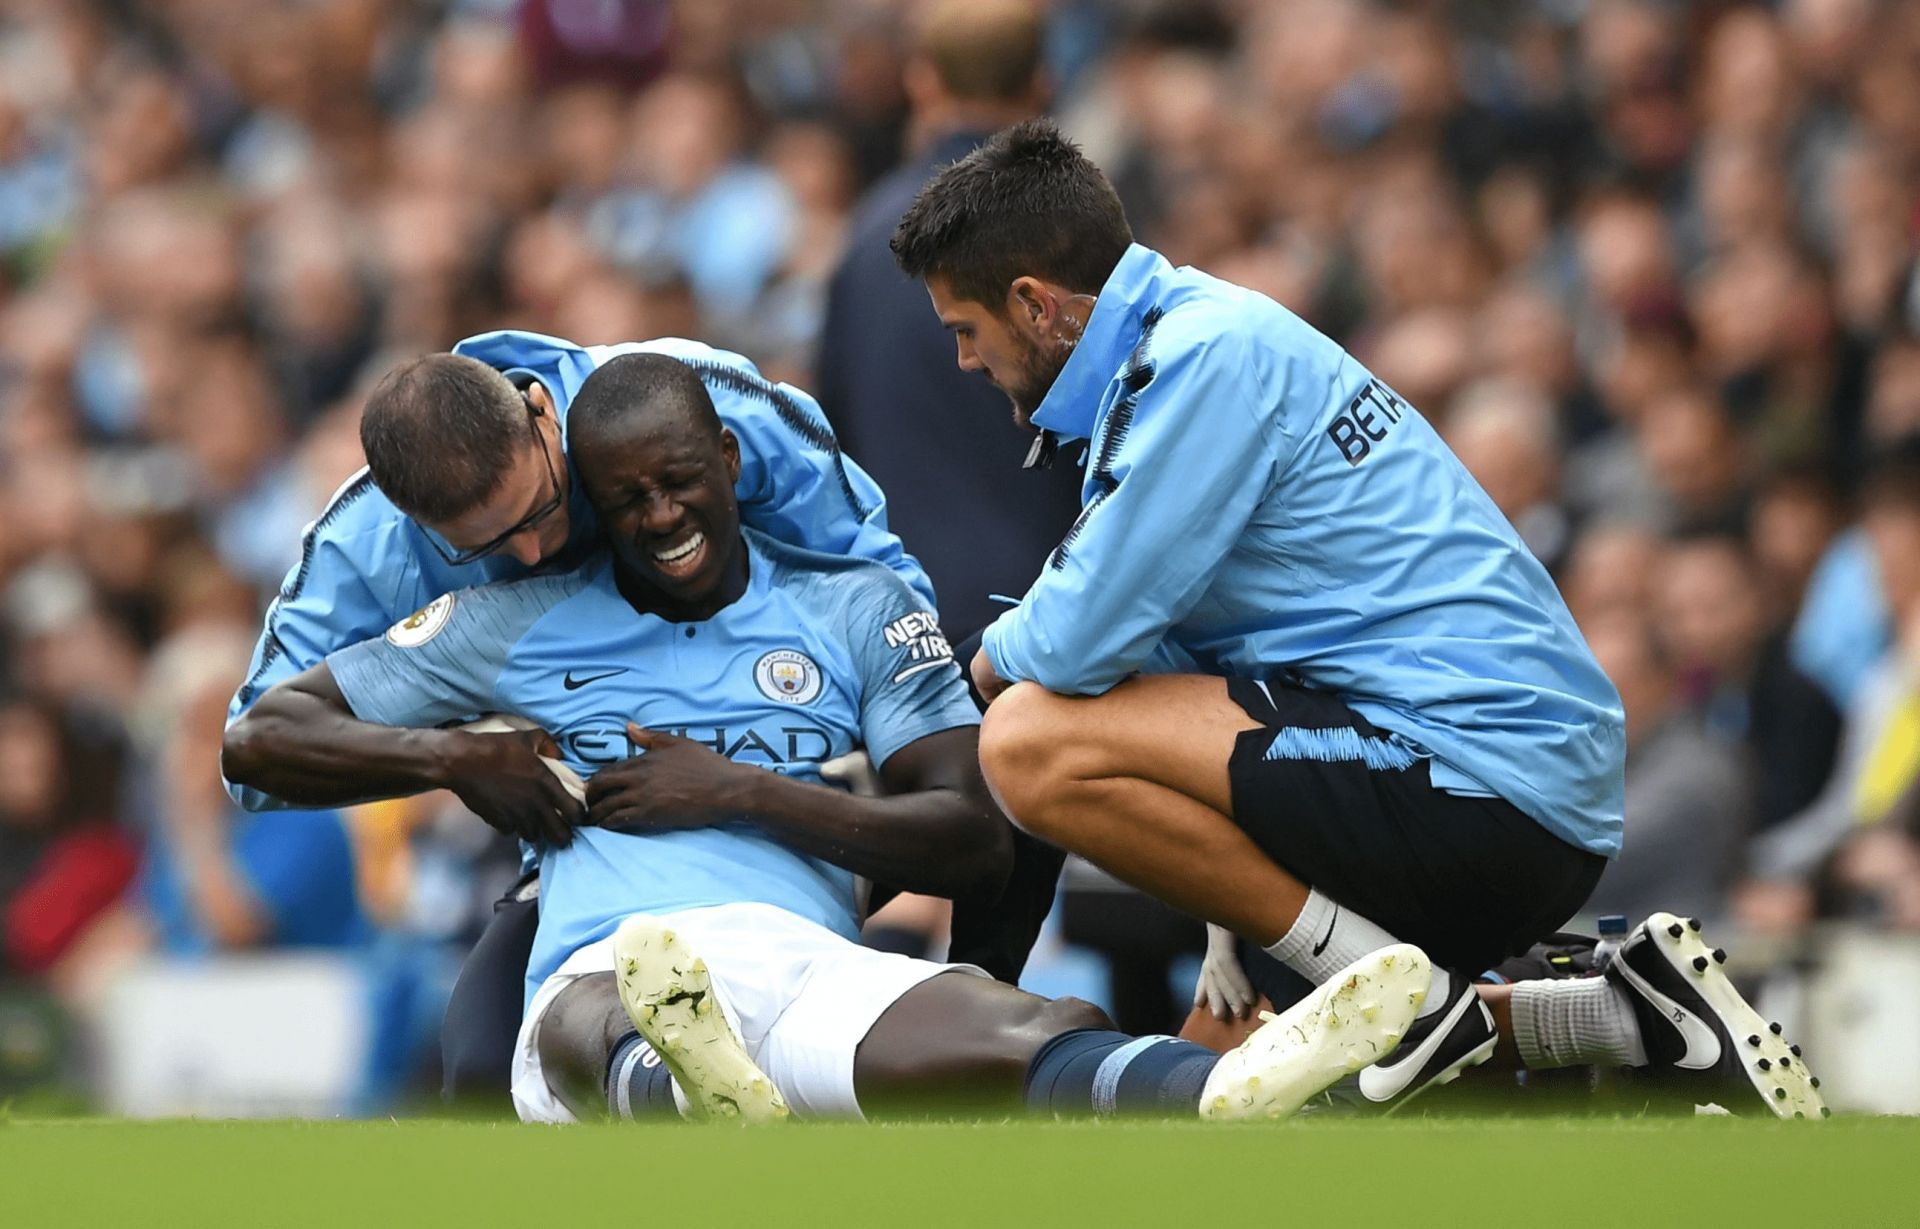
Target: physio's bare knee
x=1026, y=754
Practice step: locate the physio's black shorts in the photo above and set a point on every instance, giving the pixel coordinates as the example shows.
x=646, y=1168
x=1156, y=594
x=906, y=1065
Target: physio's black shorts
x=1347, y=810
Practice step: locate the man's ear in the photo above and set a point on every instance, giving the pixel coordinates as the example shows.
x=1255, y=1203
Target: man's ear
x=1028, y=301
x=543, y=400
x=730, y=449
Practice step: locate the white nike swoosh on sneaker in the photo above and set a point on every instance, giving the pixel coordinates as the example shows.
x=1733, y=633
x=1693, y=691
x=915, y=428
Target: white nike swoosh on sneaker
x=1384, y=1083
x=1703, y=1044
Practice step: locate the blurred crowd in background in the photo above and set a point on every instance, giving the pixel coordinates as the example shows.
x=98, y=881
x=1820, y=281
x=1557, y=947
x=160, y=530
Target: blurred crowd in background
x=1647, y=265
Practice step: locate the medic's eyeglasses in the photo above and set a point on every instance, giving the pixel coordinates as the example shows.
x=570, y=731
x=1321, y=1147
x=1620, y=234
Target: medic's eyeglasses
x=531, y=519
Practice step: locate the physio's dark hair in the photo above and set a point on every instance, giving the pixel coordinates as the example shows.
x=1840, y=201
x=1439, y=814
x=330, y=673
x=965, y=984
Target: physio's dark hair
x=441, y=433
x=641, y=385
x=1025, y=204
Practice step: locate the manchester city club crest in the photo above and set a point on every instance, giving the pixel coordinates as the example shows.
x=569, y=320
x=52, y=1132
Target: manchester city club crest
x=787, y=675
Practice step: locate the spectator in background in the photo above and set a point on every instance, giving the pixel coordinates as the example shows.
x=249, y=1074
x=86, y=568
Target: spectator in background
x=38, y=183
x=318, y=315
x=1524, y=336
x=64, y=860
x=1688, y=801
x=1879, y=760
x=1730, y=659
x=693, y=204
x=218, y=878
x=934, y=437
x=815, y=165
x=1609, y=574
x=566, y=44
x=1608, y=477
x=1796, y=514
x=1844, y=625
x=234, y=437
x=1503, y=432
x=1697, y=460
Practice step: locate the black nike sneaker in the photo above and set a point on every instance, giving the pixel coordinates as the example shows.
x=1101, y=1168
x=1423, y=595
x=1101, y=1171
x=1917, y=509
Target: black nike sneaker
x=1701, y=1036
x=1437, y=1048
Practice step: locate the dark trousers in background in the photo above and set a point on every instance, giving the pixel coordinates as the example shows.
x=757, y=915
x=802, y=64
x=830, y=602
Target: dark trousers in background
x=483, y=1012
x=998, y=934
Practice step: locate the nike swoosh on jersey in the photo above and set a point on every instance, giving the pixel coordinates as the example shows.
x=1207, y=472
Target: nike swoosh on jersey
x=1388, y=1079
x=573, y=684
x=1703, y=1044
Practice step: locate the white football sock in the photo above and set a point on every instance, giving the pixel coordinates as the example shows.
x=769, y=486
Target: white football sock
x=1575, y=1022
x=1326, y=938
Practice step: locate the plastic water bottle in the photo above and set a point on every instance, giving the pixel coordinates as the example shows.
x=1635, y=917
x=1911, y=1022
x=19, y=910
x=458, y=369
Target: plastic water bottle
x=1613, y=933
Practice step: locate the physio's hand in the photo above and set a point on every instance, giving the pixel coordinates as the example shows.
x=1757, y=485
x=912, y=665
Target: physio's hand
x=673, y=783
x=855, y=771
x=1223, y=988
x=503, y=779
x=985, y=679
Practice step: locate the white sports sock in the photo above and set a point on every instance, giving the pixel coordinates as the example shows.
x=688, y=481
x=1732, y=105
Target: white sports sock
x=1326, y=938
x=1575, y=1022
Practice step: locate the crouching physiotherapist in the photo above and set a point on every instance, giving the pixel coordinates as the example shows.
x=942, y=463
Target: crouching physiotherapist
x=1290, y=671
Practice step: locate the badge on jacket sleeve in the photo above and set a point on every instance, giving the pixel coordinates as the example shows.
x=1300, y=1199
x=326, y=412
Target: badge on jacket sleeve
x=422, y=625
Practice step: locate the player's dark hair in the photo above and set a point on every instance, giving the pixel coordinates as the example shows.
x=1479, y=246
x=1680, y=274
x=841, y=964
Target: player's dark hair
x=1027, y=203
x=636, y=385
x=441, y=433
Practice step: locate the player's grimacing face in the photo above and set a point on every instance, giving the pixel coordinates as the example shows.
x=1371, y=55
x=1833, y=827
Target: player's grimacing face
x=664, y=494
x=996, y=347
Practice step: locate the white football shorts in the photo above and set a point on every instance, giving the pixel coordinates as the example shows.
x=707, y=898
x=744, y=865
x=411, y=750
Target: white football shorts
x=800, y=997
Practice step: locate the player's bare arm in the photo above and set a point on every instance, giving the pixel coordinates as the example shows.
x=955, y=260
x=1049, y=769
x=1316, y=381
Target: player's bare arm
x=301, y=742
x=934, y=831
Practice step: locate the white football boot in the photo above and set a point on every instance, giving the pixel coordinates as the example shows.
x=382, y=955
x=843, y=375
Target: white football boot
x=669, y=996
x=1351, y=1022
x=1701, y=1035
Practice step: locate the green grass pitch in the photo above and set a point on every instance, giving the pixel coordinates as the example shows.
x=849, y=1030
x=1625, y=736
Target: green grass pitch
x=1544, y=1174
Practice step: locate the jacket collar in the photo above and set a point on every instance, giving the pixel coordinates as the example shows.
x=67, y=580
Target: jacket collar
x=1071, y=408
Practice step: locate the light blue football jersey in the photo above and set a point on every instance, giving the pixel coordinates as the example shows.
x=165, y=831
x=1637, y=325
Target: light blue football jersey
x=364, y=565
x=820, y=654
x=1257, y=504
